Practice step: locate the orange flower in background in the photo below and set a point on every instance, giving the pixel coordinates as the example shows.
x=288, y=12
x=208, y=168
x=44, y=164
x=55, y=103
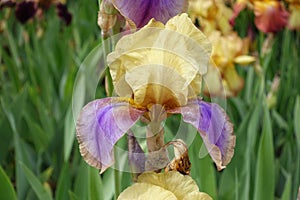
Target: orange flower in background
x=270, y=16
x=227, y=51
x=214, y=16
x=211, y=15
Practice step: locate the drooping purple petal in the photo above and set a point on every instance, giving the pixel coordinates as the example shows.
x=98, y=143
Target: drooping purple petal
x=214, y=126
x=139, y=12
x=100, y=125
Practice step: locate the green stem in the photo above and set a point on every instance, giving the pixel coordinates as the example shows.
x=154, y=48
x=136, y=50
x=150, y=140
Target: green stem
x=109, y=84
x=157, y=157
x=107, y=48
x=99, y=3
x=117, y=183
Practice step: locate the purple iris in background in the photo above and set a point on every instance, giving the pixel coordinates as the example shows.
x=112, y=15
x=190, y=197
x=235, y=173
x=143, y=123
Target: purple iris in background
x=140, y=12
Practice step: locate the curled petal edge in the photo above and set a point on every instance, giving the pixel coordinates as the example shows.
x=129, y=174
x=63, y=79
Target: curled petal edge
x=101, y=123
x=214, y=126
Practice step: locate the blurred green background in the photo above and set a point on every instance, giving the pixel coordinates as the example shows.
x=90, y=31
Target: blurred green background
x=39, y=156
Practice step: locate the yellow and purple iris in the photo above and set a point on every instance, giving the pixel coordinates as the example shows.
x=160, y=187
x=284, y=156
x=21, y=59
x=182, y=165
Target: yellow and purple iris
x=161, y=64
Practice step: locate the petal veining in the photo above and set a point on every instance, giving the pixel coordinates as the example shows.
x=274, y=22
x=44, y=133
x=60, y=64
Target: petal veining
x=138, y=13
x=100, y=125
x=214, y=127
x=161, y=54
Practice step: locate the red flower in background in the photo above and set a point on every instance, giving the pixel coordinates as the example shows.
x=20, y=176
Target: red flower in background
x=270, y=16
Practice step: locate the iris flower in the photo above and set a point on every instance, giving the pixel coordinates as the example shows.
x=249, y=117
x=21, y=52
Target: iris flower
x=139, y=13
x=228, y=50
x=170, y=185
x=270, y=15
x=211, y=14
x=214, y=19
x=157, y=65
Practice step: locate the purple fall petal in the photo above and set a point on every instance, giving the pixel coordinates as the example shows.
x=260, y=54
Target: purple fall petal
x=214, y=126
x=100, y=125
x=141, y=11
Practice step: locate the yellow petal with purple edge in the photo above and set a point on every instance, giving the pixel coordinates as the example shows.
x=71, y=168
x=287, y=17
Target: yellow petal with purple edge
x=101, y=123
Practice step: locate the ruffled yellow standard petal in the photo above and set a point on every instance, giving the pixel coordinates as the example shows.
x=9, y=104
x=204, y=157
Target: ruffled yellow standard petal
x=144, y=191
x=197, y=196
x=161, y=64
x=183, y=187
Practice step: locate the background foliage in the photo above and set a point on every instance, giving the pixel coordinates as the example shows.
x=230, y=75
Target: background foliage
x=39, y=157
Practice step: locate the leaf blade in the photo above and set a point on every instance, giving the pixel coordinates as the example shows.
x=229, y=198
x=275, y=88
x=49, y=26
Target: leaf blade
x=6, y=190
x=36, y=185
x=265, y=171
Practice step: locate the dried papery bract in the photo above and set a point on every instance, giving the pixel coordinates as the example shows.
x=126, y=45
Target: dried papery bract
x=107, y=17
x=181, y=161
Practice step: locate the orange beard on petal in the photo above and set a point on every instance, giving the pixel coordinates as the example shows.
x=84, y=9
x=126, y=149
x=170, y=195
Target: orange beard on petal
x=155, y=94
